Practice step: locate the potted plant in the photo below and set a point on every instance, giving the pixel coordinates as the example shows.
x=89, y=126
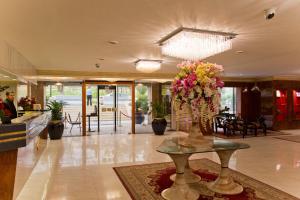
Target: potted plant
x=141, y=104
x=56, y=125
x=139, y=114
x=159, y=122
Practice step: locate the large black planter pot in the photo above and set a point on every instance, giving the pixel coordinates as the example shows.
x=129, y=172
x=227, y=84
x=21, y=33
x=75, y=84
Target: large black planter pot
x=159, y=126
x=55, y=129
x=139, y=117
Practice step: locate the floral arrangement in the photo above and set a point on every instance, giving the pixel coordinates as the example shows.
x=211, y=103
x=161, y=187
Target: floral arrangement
x=197, y=84
x=26, y=103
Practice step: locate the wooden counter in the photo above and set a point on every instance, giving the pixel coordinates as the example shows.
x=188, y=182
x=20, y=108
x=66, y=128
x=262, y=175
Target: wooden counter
x=12, y=137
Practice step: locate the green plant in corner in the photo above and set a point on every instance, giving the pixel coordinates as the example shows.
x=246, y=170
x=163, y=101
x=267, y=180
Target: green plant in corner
x=142, y=99
x=159, y=123
x=56, y=110
x=159, y=110
x=1, y=115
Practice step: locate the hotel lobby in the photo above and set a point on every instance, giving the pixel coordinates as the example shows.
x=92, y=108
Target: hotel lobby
x=149, y=100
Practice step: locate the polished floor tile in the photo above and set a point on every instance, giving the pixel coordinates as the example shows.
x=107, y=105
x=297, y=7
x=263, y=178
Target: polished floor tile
x=82, y=166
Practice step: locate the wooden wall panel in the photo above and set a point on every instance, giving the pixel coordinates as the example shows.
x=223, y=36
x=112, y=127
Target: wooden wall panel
x=8, y=163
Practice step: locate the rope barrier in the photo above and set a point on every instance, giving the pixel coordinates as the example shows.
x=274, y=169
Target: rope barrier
x=125, y=114
x=120, y=117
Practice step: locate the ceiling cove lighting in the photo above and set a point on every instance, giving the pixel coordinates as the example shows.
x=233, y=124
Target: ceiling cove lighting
x=147, y=66
x=195, y=44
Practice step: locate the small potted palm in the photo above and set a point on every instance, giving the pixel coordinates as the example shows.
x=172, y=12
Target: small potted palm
x=159, y=122
x=55, y=125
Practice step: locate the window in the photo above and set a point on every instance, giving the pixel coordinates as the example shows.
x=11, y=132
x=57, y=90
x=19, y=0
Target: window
x=22, y=91
x=228, y=99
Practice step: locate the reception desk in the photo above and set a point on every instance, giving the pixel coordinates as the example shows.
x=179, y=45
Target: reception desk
x=14, y=136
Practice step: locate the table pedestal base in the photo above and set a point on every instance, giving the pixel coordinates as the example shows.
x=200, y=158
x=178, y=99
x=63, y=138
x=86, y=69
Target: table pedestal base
x=224, y=183
x=180, y=189
x=189, y=175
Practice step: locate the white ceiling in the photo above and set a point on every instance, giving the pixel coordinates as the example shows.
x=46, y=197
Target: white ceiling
x=70, y=34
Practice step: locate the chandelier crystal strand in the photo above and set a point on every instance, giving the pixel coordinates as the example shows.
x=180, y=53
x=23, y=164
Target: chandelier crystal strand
x=196, y=45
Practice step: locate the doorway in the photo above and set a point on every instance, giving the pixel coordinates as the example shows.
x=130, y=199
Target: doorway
x=114, y=109
x=107, y=108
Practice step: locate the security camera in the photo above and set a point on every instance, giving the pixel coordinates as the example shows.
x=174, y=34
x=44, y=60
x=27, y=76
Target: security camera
x=97, y=65
x=270, y=13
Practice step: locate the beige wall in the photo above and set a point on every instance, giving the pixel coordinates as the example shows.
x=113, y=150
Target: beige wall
x=14, y=62
x=12, y=88
x=37, y=91
x=156, y=92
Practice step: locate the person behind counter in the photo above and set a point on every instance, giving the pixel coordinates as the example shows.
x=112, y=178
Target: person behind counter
x=10, y=106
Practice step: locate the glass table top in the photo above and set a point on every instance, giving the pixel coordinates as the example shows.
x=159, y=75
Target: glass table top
x=181, y=145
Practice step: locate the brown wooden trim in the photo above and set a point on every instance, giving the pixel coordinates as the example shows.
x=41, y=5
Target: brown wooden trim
x=108, y=83
x=8, y=163
x=84, y=75
x=84, y=109
x=133, y=107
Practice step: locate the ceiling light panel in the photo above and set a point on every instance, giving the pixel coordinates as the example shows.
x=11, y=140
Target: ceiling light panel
x=148, y=66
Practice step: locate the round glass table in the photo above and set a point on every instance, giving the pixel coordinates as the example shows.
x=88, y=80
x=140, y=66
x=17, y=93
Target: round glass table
x=180, y=151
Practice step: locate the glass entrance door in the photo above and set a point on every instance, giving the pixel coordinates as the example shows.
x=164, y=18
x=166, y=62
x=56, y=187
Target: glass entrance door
x=107, y=109
x=109, y=106
x=124, y=109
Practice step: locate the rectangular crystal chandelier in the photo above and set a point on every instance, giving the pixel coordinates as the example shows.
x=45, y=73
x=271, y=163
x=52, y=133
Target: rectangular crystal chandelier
x=195, y=44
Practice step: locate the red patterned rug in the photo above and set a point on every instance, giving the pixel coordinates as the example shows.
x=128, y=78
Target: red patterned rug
x=146, y=182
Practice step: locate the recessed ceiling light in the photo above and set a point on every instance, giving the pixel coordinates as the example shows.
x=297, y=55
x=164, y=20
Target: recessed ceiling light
x=113, y=42
x=14, y=79
x=6, y=76
x=240, y=51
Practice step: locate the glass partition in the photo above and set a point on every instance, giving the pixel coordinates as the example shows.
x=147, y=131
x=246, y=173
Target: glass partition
x=71, y=96
x=143, y=116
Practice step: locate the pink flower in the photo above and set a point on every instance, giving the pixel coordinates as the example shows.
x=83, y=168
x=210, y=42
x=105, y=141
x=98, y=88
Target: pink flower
x=219, y=82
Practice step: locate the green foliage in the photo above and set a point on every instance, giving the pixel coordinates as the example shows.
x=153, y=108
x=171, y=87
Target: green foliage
x=56, y=109
x=159, y=110
x=1, y=115
x=227, y=97
x=142, y=100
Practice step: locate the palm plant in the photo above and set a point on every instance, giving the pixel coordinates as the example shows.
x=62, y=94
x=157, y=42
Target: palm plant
x=159, y=122
x=56, y=110
x=159, y=110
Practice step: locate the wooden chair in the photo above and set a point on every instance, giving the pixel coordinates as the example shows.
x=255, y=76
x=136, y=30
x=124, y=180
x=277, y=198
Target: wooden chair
x=220, y=122
x=259, y=124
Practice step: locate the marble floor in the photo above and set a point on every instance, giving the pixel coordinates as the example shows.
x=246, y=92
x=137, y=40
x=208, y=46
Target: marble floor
x=80, y=168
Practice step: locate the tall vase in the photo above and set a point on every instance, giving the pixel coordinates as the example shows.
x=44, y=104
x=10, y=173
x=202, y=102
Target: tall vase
x=195, y=131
